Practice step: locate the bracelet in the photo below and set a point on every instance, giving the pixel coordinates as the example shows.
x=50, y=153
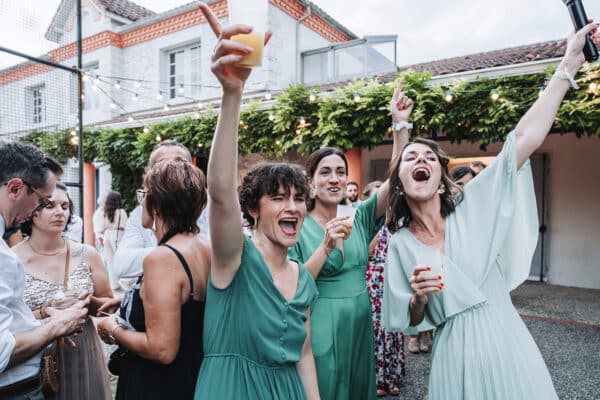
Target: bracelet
x=112, y=332
x=563, y=74
x=398, y=126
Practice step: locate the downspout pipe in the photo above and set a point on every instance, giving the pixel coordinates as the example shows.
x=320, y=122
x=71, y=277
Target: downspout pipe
x=296, y=52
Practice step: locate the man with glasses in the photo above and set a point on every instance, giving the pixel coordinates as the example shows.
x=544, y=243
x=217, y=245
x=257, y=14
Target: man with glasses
x=27, y=178
x=138, y=241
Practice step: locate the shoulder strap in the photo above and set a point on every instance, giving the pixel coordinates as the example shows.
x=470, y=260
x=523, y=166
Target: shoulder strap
x=184, y=264
x=67, y=265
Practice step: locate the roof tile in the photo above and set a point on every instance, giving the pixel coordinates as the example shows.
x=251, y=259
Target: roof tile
x=126, y=9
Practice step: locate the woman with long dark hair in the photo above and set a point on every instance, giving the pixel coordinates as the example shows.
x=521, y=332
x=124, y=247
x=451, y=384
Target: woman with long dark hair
x=452, y=260
x=115, y=220
x=56, y=266
x=336, y=251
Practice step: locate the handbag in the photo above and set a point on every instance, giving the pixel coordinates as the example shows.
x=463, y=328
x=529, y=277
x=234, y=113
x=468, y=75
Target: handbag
x=49, y=367
x=117, y=360
x=49, y=370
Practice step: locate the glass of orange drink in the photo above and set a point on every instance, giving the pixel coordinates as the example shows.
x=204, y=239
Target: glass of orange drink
x=346, y=211
x=253, y=13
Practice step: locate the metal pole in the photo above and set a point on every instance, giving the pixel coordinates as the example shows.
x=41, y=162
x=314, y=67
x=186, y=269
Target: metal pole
x=80, y=106
x=37, y=59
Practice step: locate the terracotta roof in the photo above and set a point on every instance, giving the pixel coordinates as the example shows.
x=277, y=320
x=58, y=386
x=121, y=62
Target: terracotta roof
x=126, y=9
x=495, y=58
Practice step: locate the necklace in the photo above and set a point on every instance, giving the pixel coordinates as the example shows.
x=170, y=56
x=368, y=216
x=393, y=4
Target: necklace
x=46, y=254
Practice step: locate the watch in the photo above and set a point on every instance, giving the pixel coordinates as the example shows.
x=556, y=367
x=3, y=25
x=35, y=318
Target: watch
x=397, y=126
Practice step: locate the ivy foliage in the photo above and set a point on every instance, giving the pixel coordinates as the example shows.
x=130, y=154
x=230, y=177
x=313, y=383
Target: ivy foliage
x=354, y=115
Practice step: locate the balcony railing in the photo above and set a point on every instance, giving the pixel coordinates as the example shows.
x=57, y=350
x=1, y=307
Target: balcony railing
x=358, y=58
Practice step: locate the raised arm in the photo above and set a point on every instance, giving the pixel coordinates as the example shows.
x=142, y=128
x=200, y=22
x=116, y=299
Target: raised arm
x=400, y=107
x=532, y=129
x=224, y=212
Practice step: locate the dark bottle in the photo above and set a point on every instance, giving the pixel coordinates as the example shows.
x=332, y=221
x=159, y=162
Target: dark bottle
x=580, y=20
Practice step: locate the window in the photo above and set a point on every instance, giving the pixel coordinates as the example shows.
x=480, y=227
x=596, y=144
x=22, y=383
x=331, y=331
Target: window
x=91, y=99
x=36, y=105
x=184, y=72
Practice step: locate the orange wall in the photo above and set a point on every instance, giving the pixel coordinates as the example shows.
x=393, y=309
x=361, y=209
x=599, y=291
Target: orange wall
x=354, y=158
x=89, y=202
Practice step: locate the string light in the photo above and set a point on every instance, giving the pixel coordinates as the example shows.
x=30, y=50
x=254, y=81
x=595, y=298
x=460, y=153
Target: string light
x=180, y=90
x=448, y=97
x=241, y=122
x=73, y=132
x=593, y=86
x=271, y=117
x=146, y=130
x=541, y=90
x=277, y=142
x=166, y=107
x=158, y=138
x=495, y=95
x=96, y=80
x=130, y=119
x=313, y=97
x=196, y=115
x=137, y=84
x=200, y=106
x=74, y=140
x=200, y=145
x=302, y=121
x=85, y=78
x=159, y=97
x=268, y=95
x=117, y=85
x=135, y=97
x=113, y=105
x=356, y=97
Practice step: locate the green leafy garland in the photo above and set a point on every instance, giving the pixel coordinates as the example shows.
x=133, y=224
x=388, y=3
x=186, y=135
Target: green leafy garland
x=355, y=115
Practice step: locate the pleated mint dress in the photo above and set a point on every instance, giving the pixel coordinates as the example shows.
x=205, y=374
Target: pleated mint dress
x=253, y=336
x=482, y=350
x=341, y=322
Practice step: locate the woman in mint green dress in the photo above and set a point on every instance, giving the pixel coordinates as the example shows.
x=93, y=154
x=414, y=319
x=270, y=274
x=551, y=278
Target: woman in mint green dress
x=452, y=266
x=257, y=317
x=336, y=254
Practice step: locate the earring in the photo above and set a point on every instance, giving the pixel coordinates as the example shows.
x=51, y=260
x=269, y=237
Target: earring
x=313, y=193
x=399, y=191
x=442, y=189
x=154, y=225
x=256, y=223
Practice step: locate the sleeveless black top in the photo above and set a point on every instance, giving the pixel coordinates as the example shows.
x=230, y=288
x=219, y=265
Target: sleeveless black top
x=144, y=379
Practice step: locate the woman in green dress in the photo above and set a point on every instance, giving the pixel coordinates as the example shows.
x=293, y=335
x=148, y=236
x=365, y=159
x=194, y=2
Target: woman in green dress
x=257, y=317
x=336, y=252
x=452, y=265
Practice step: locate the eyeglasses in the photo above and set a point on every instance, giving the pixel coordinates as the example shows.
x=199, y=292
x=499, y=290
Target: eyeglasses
x=43, y=200
x=140, y=195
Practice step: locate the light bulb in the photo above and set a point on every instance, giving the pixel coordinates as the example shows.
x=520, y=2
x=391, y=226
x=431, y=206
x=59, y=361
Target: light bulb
x=146, y=130
x=113, y=106
x=268, y=95
x=159, y=97
x=180, y=90
x=271, y=117
x=593, y=86
x=137, y=84
x=117, y=85
x=130, y=119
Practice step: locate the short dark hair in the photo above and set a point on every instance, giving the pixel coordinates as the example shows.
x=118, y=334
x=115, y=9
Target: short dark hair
x=314, y=160
x=27, y=226
x=112, y=204
x=169, y=143
x=267, y=179
x=176, y=191
x=352, y=183
x=25, y=161
x=459, y=172
x=399, y=214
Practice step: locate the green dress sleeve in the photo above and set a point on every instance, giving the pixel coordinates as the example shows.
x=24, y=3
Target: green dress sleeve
x=366, y=218
x=496, y=224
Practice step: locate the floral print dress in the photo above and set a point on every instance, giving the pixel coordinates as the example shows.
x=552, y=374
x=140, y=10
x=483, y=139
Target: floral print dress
x=389, y=346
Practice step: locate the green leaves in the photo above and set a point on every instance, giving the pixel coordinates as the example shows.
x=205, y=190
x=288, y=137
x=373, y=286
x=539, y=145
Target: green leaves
x=354, y=115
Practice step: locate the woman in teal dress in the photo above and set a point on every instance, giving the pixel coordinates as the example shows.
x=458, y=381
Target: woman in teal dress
x=336, y=253
x=257, y=317
x=452, y=265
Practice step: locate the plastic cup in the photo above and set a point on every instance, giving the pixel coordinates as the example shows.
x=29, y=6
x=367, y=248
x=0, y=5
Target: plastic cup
x=346, y=211
x=62, y=300
x=253, y=13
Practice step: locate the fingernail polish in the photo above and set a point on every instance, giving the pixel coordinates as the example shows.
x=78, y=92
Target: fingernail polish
x=440, y=277
x=428, y=268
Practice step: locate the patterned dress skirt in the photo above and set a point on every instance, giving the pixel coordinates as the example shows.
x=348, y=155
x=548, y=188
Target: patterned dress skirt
x=389, y=346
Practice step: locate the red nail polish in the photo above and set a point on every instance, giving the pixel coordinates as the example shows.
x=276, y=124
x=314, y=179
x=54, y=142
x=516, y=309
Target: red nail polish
x=442, y=284
x=440, y=277
x=428, y=268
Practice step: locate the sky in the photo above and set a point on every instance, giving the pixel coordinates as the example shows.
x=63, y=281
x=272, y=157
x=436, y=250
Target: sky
x=427, y=29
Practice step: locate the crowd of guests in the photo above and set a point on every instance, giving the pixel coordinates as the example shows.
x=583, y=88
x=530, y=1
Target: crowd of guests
x=252, y=287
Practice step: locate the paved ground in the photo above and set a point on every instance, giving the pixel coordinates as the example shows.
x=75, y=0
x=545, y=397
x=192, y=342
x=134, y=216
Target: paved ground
x=565, y=323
